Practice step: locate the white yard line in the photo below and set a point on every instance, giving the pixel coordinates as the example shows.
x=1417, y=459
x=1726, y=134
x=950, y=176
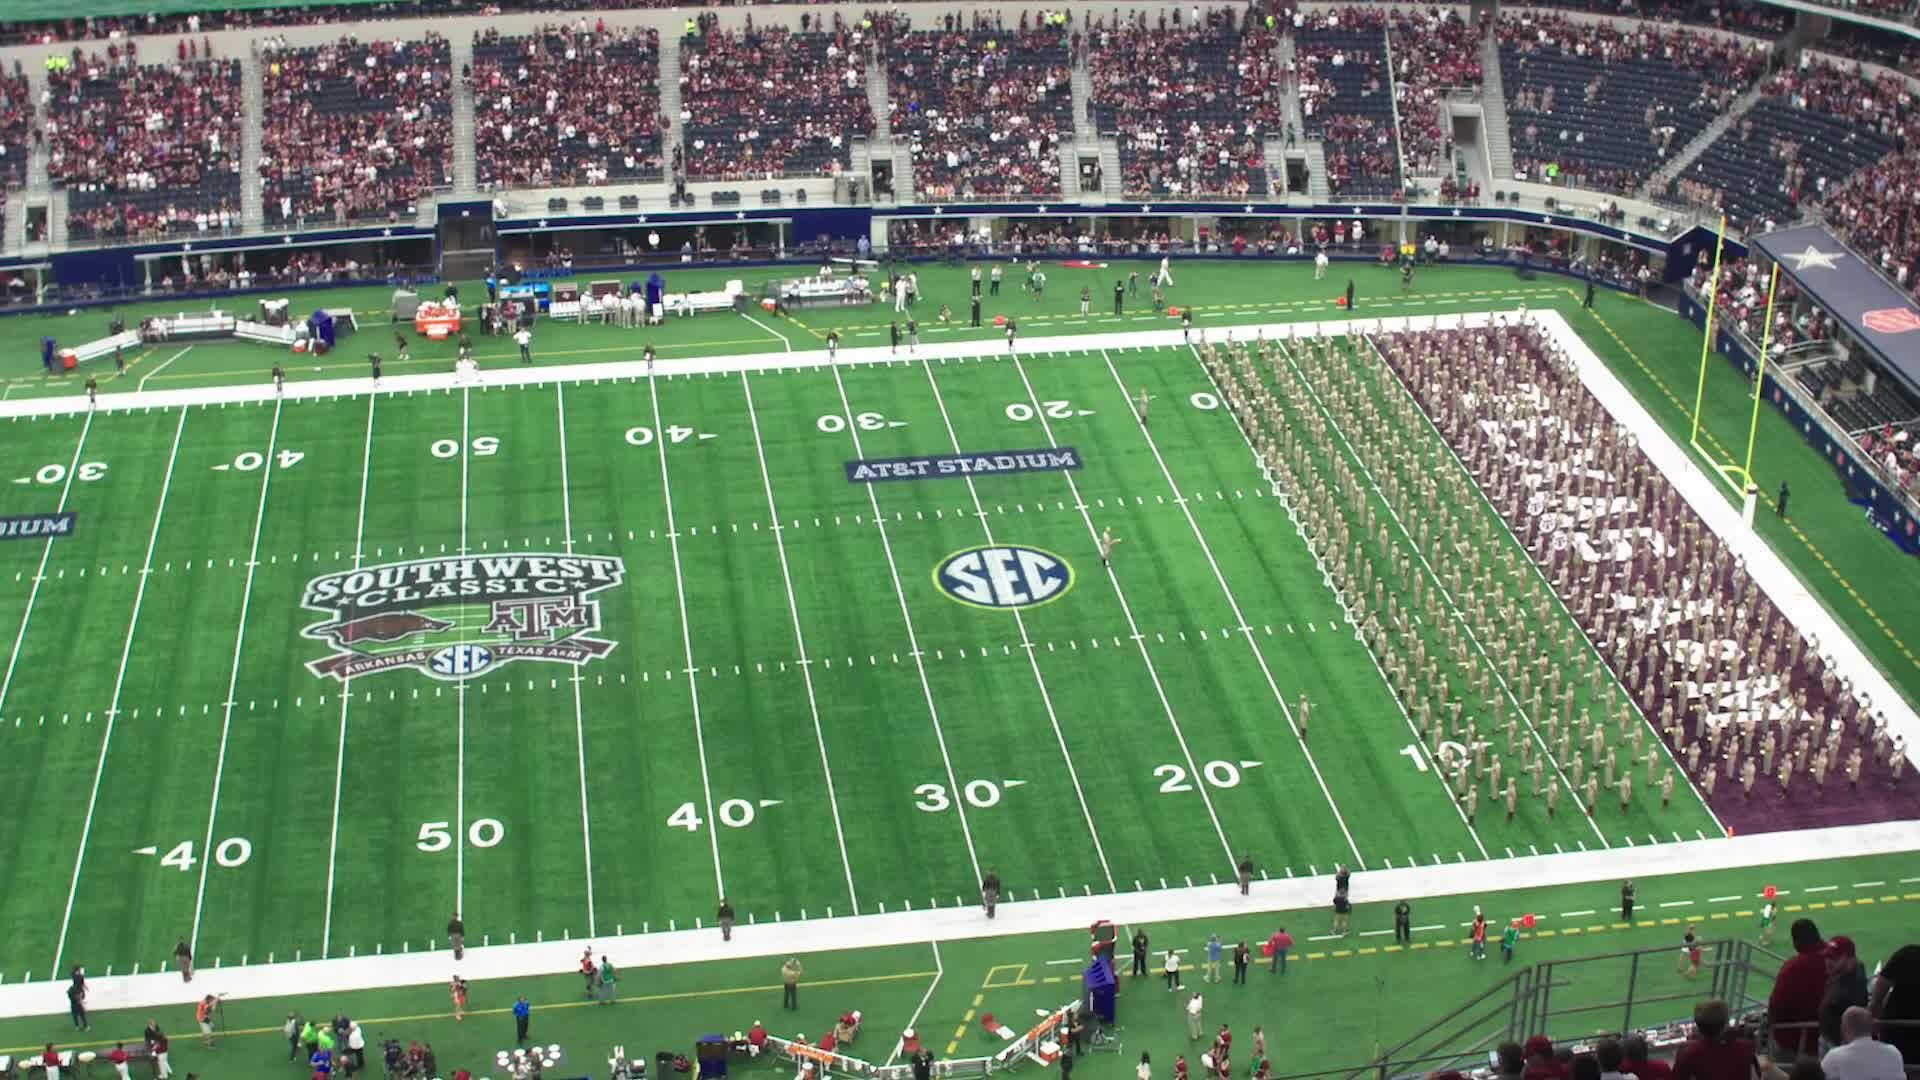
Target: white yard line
x=1440, y=587
x=1026, y=643
x=686, y=640
x=1368, y=649
x=233, y=679
x=113, y=708
x=939, y=970
x=800, y=642
x=1527, y=558
x=1133, y=628
x=1240, y=620
x=769, y=329
x=913, y=639
x=46, y=553
x=346, y=693
x=460, y=688
x=142, y=384
x=579, y=716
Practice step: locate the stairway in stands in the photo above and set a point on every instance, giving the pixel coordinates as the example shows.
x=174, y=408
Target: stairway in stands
x=1678, y=163
x=252, y=123
x=1493, y=113
x=883, y=146
x=465, y=174
x=674, y=134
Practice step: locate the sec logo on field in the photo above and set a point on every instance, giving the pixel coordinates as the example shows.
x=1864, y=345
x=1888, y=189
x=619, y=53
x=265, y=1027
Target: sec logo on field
x=460, y=661
x=1003, y=577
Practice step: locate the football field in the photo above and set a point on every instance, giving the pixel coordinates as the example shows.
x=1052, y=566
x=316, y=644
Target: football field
x=580, y=658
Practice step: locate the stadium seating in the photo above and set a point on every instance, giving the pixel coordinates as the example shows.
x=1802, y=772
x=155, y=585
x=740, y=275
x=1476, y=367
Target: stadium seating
x=1432, y=52
x=1815, y=127
x=982, y=108
x=143, y=150
x=1606, y=107
x=1191, y=105
x=535, y=127
x=355, y=130
x=1345, y=100
x=771, y=103
x=16, y=127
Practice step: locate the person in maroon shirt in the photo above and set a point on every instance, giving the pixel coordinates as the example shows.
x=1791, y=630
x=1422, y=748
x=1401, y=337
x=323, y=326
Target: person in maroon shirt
x=1714, y=1052
x=1797, y=992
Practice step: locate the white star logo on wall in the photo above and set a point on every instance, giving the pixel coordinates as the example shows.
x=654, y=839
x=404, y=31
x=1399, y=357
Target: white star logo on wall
x=1814, y=259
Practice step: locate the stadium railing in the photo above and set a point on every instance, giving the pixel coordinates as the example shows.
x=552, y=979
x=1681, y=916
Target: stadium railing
x=1569, y=1000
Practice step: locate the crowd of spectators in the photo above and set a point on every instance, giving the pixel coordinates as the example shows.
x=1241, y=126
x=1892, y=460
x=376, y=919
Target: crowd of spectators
x=981, y=104
x=353, y=130
x=1192, y=103
x=1817, y=124
x=1874, y=210
x=769, y=103
x=566, y=106
x=1604, y=106
x=1433, y=52
x=1342, y=71
x=143, y=148
x=16, y=133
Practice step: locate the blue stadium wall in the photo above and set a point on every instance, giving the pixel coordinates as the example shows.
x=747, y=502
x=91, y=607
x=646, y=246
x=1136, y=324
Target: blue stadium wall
x=121, y=266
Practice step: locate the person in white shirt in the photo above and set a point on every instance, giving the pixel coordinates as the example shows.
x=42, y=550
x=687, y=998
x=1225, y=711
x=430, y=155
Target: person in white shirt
x=1861, y=1057
x=524, y=338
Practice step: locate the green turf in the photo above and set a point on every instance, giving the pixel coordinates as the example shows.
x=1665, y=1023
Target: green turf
x=1339, y=1000
x=1156, y=759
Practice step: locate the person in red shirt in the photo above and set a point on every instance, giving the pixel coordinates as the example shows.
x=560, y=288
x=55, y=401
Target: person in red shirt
x=51, y=1062
x=1277, y=947
x=1714, y=1052
x=1479, y=934
x=1180, y=1067
x=1797, y=992
x=1540, y=1062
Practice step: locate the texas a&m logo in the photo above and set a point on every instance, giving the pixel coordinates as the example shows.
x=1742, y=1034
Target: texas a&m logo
x=454, y=618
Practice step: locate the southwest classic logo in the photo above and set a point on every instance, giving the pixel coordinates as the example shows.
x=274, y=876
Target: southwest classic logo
x=454, y=618
x=1004, y=576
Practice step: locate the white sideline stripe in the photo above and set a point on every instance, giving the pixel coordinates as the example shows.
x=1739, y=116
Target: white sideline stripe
x=113, y=709
x=800, y=644
x=939, y=970
x=142, y=384
x=1526, y=558
x=1241, y=620
x=913, y=638
x=686, y=640
x=1133, y=628
x=346, y=696
x=964, y=923
x=579, y=716
x=1026, y=643
x=1446, y=792
x=233, y=680
x=1440, y=587
x=769, y=329
x=46, y=553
